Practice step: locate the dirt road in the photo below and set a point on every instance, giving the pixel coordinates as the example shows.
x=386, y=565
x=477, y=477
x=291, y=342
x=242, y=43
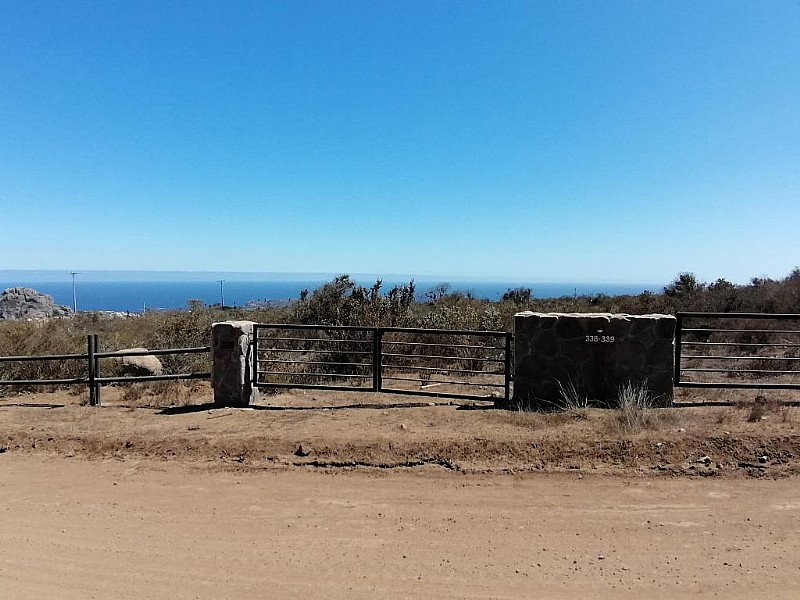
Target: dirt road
x=71, y=528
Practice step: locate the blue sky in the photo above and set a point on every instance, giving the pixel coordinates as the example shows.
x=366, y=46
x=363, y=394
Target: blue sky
x=533, y=141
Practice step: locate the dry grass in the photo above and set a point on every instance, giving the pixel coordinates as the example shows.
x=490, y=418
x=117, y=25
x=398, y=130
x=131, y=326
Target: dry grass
x=635, y=412
x=160, y=394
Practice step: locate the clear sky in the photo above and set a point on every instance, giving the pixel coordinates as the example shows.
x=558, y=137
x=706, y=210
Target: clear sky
x=536, y=141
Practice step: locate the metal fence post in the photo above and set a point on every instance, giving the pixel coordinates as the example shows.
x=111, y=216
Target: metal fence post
x=508, y=367
x=377, y=359
x=678, y=334
x=96, y=369
x=255, y=354
x=90, y=349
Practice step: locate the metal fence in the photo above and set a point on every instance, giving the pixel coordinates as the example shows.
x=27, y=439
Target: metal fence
x=737, y=350
x=426, y=362
x=92, y=378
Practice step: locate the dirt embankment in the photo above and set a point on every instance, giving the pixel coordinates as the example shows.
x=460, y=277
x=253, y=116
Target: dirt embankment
x=333, y=430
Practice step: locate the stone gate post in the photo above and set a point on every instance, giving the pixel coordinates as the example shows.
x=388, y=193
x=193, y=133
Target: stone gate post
x=232, y=363
x=591, y=355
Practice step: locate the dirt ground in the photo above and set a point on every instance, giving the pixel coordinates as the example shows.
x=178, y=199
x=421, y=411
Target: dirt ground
x=340, y=496
x=129, y=528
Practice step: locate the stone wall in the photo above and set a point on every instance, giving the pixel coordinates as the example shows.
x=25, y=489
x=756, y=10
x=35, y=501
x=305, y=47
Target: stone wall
x=593, y=354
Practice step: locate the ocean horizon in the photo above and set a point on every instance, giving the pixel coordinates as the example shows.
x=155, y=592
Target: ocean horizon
x=111, y=292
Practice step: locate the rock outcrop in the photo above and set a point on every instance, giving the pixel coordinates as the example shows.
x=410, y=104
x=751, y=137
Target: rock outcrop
x=26, y=304
x=141, y=365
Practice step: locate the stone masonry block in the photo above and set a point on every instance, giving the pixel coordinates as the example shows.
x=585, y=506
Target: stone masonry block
x=232, y=366
x=593, y=353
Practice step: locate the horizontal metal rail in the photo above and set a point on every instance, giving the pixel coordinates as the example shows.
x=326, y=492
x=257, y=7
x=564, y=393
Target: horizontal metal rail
x=93, y=379
x=749, y=344
x=688, y=364
x=422, y=352
x=33, y=358
x=429, y=356
x=310, y=374
x=117, y=354
x=321, y=386
x=159, y=352
x=761, y=371
x=74, y=380
x=445, y=381
x=445, y=345
x=431, y=394
x=145, y=378
x=439, y=370
x=781, y=331
x=767, y=316
x=311, y=362
x=300, y=339
x=356, y=352
x=456, y=332
x=739, y=386
x=296, y=326
x=722, y=357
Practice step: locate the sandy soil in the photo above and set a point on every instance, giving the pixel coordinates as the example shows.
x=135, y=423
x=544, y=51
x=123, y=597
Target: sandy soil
x=73, y=528
x=341, y=496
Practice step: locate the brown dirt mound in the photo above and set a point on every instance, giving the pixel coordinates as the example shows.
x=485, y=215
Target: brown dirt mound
x=337, y=430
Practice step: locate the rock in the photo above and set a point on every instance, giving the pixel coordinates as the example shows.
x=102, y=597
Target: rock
x=26, y=304
x=138, y=366
x=763, y=459
x=706, y=460
x=302, y=450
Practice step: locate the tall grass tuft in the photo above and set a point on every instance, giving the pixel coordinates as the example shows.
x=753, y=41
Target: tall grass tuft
x=570, y=399
x=636, y=410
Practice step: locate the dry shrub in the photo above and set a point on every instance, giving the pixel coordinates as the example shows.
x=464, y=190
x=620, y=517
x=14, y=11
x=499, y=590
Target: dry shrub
x=761, y=406
x=635, y=411
x=133, y=393
x=725, y=415
x=159, y=393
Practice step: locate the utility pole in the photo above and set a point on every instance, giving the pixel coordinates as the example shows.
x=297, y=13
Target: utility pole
x=74, y=296
x=222, y=293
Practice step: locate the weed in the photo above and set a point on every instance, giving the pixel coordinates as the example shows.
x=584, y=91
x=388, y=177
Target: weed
x=761, y=405
x=635, y=410
x=133, y=393
x=570, y=398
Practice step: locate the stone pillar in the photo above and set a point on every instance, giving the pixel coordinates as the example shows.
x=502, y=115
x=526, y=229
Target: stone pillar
x=232, y=366
x=591, y=356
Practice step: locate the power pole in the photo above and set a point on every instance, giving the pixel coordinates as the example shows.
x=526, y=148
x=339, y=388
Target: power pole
x=74, y=296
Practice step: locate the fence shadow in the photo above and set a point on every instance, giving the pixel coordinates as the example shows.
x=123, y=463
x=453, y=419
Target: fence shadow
x=182, y=410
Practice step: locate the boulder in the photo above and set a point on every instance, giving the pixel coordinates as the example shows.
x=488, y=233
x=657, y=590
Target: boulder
x=26, y=304
x=144, y=365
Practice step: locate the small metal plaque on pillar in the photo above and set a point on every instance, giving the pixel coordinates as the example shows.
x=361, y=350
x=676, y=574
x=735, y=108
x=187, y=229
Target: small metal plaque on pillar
x=592, y=356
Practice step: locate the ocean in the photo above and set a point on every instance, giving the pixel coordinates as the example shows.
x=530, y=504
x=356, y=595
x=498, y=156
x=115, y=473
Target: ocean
x=136, y=296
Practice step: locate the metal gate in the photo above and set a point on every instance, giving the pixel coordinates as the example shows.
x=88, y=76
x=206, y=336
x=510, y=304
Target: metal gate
x=426, y=362
x=737, y=350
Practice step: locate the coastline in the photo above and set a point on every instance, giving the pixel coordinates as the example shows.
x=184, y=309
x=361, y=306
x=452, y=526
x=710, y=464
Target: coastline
x=136, y=296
